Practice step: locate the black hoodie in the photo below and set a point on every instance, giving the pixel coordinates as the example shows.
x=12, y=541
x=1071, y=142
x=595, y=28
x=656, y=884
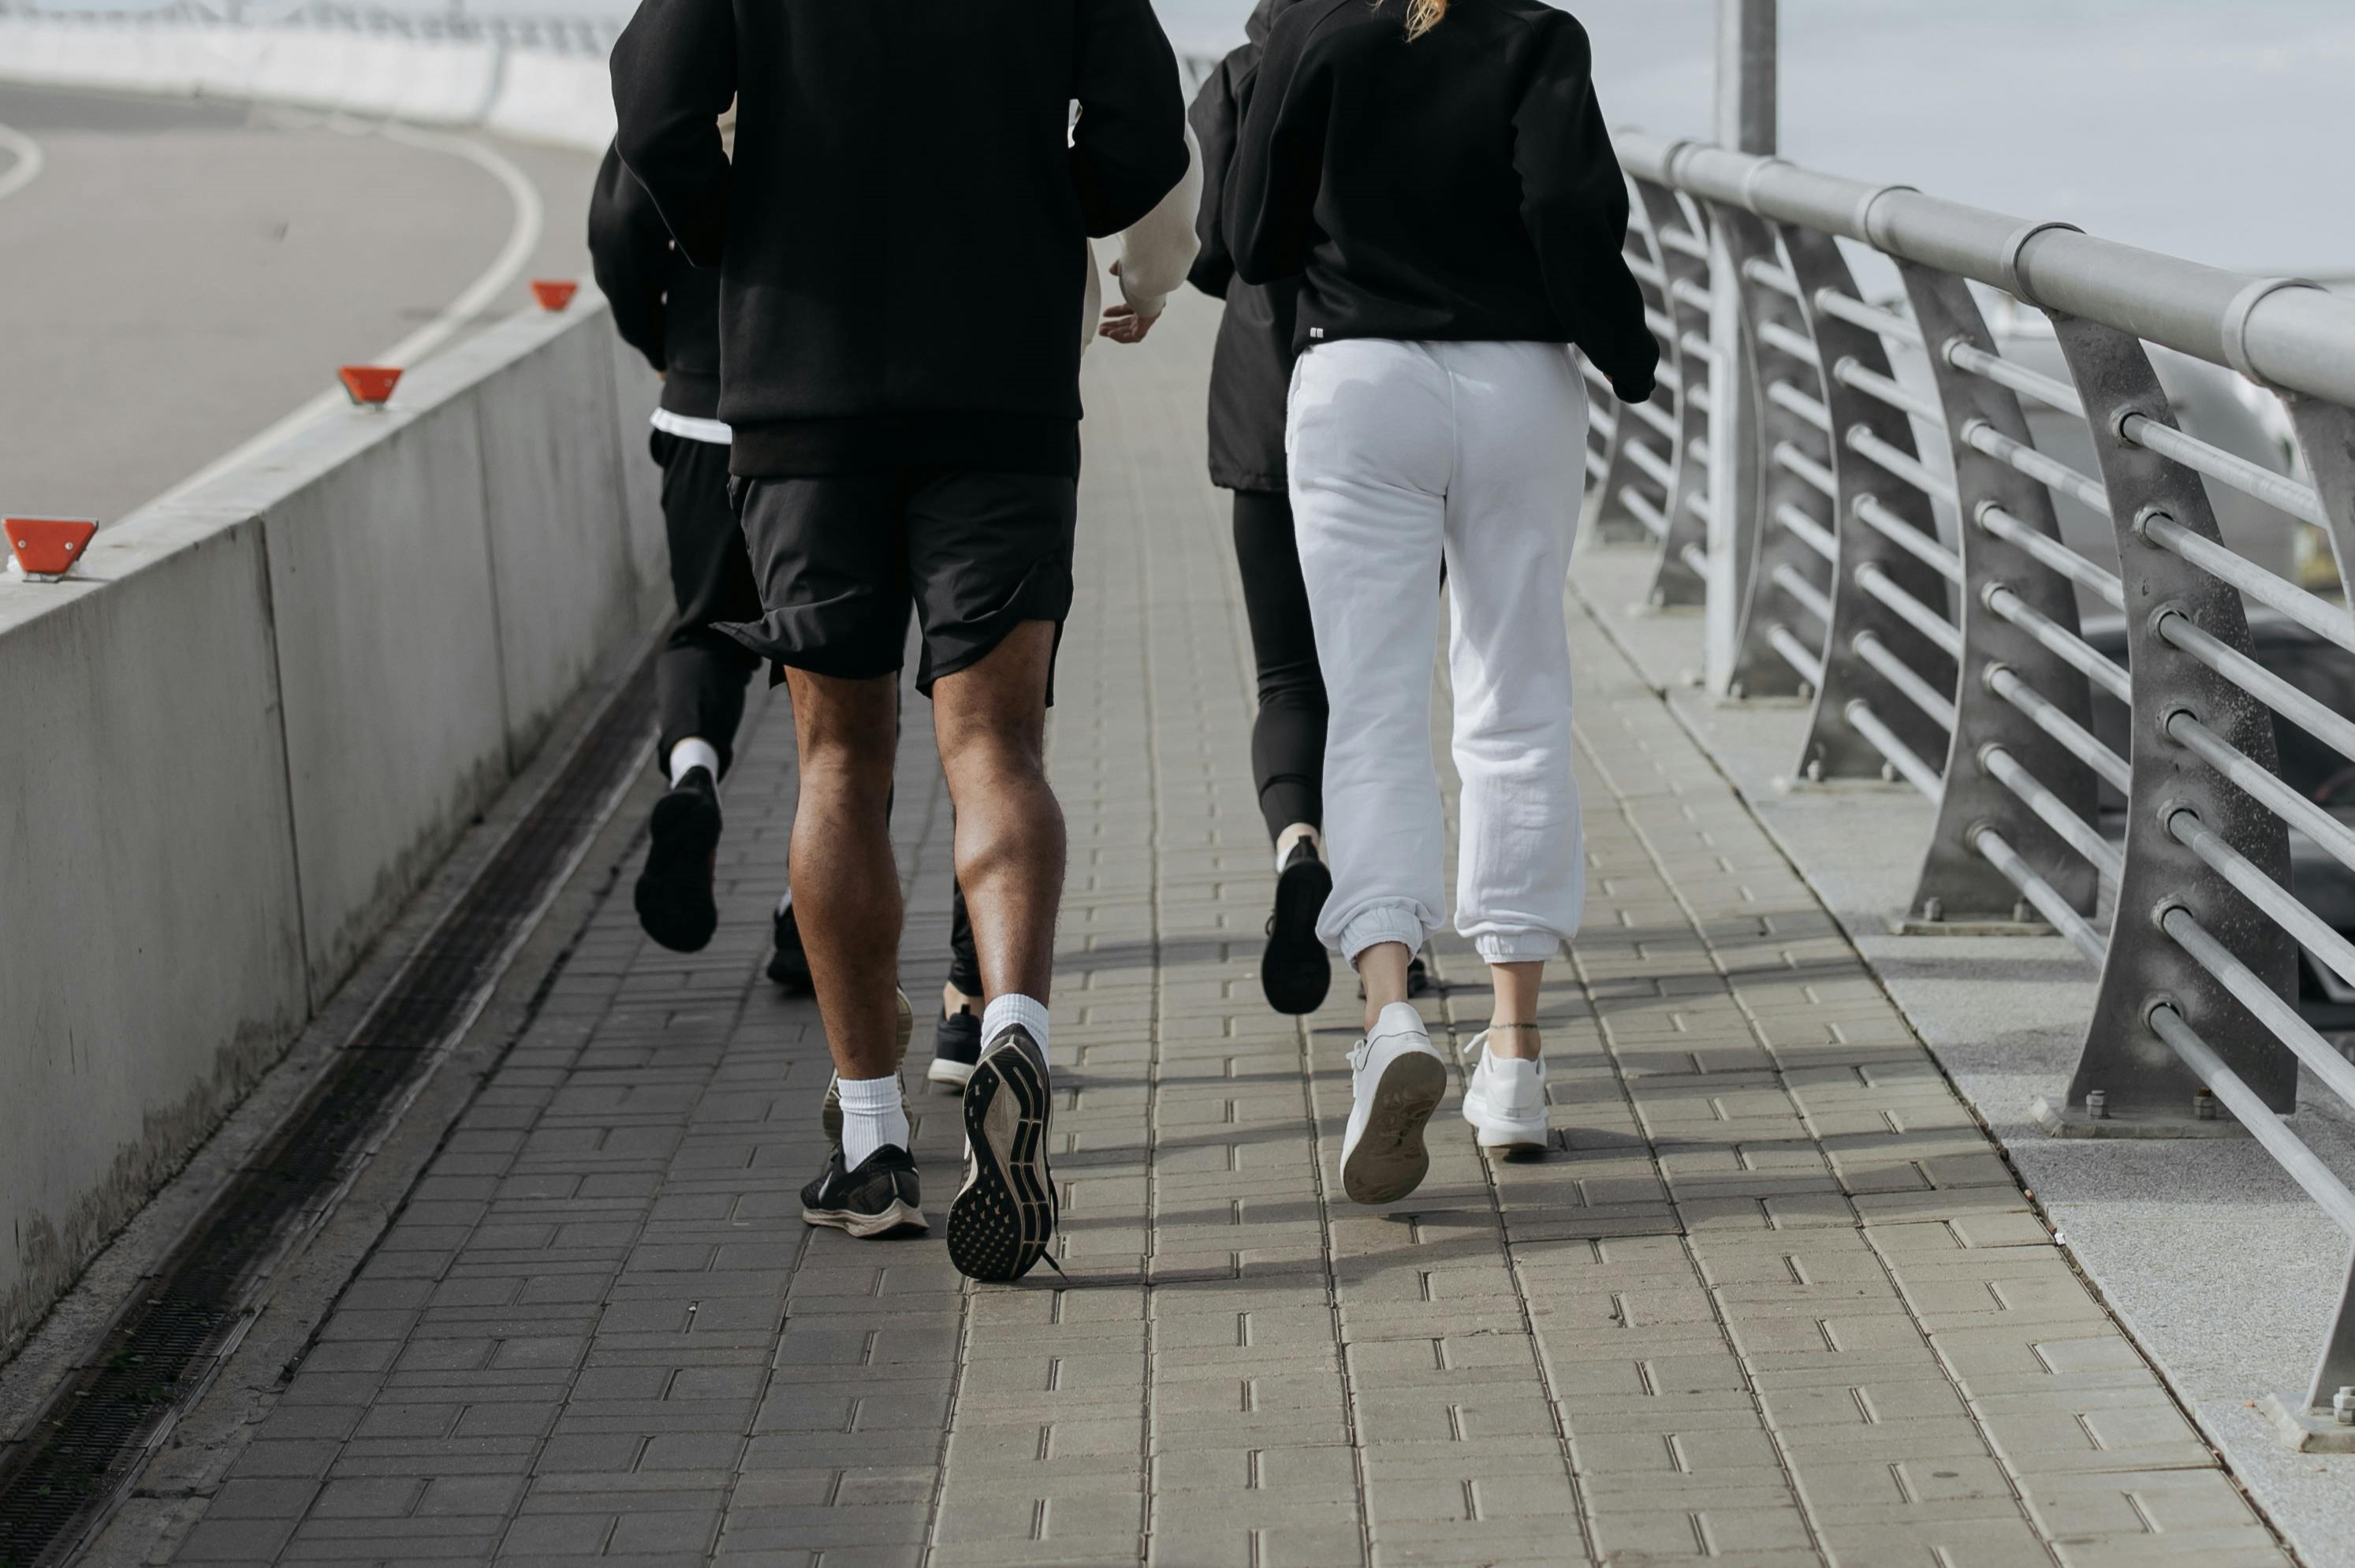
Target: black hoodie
x=1460, y=186
x=1251, y=368
x=900, y=237
x=664, y=306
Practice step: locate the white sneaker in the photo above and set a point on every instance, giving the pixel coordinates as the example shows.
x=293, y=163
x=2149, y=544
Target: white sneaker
x=1504, y=1100
x=1397, y=1079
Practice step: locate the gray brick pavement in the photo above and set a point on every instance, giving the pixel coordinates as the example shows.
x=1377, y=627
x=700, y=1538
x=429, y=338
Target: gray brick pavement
x=1773, y=1299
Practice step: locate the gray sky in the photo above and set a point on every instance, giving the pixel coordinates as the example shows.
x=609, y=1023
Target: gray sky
x=2220, y=130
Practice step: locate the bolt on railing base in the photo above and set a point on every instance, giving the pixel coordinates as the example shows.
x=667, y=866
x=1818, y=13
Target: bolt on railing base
x=2065, y=1121
x=2308, y=1431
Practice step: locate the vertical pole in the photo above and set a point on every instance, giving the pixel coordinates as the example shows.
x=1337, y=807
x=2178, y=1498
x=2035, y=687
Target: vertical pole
x=1746, y=122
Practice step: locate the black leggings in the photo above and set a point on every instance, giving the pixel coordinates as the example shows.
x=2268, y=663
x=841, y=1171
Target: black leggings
x=1289, y=736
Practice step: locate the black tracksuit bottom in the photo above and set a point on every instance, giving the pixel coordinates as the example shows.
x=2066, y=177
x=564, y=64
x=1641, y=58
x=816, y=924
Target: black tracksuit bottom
x=1289, y=736
x=700, y=676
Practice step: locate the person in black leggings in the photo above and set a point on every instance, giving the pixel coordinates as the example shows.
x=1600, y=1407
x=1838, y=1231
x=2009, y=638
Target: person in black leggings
x=1250, y=372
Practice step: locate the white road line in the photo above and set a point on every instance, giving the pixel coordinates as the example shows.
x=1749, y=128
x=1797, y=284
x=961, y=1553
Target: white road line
x=522, y=238
x=27, y=168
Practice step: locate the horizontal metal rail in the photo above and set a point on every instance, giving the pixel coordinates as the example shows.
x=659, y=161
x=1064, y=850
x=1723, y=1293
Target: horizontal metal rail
x=2051, y=552
x=2075, y=737
x=1899, y=674
x=1900, y=756
x=1872, y=318
x=2070, y=648
x=2041, y=895
x=2333, y=836
x=1803, y=594
x=1874, y=514
x=1903, y=464
x=1783, y=395
x=1807, y=531
x=1791, y=459
x=2326, y=724
x=2254, y=480
x=2046, y=390
x=2074, y=830
x=2300, y=1162
x=1883, y=389
x=1795, y=654
x=1919, y=616
x=2053, y=475
x=2278, y=901
x=2317, y=614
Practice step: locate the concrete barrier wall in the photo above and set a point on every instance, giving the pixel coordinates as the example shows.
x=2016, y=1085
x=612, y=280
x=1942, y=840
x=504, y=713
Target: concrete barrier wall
x=245, y=734
x=537, y=95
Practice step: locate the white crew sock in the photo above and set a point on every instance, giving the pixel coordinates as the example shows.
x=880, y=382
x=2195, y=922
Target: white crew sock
x=872, y=1116
x=786, y=901
x=1015, y=1009
x=692, y=753
x=1292, y=836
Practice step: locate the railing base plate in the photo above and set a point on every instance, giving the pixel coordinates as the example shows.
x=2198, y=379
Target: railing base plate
x=2061, y=1121
x=2308, y=1431
x=1913, y=925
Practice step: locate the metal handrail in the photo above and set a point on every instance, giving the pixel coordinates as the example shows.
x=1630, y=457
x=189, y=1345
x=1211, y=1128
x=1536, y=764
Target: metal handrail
x=1960, y=547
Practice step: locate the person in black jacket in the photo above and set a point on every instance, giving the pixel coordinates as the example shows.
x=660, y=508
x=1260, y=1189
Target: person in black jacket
x=1251, y=368
x=1438, y=175
x=901, y=239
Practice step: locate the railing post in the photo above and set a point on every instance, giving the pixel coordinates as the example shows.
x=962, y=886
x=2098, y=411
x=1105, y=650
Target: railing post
x=2141, y=1077
x=1746, y=122
x=1622, y=493
x=1866, y=635
x=1958, y=884
x=1683, y=576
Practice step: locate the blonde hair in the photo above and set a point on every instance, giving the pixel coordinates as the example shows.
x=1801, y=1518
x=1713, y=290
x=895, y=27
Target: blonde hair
x=1422, y=15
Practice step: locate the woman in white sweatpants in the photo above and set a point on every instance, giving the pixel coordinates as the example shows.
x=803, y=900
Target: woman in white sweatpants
x=1442, y=179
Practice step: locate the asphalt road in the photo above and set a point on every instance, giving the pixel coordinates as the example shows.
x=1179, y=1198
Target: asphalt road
x=178, y=276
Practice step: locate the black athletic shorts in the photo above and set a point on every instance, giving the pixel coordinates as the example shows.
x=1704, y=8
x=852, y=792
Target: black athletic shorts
x=842, y=557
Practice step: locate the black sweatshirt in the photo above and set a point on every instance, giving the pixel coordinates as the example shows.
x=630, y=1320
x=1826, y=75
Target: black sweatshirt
x=664, y=306
x=902, y=235
x=1250, y=368
x=1459, y=186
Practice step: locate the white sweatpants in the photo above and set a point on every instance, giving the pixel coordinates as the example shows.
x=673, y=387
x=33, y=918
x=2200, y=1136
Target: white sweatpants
x=1402, y=452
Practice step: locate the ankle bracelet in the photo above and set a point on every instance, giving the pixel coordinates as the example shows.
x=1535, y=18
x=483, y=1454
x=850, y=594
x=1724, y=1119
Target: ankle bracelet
x=1494, y=1028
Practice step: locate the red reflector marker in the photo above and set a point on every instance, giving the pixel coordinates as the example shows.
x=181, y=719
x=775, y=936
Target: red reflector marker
x=370, y=385
x=46, y=547
x=554, y=294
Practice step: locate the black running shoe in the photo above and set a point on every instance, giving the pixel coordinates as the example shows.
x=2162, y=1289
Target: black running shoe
x=1296, y=971
x=829, y=1114
x=789, y=965
x=674, y=892
x=956, y=1047
x=1002, y=1220
x=879, y=1198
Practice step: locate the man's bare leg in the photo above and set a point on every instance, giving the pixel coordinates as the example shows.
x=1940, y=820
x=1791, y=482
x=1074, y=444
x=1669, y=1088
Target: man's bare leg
x=845, y=884
x=990, y=720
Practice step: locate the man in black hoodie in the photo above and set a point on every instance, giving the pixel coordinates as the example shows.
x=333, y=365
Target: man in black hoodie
x=902, y=244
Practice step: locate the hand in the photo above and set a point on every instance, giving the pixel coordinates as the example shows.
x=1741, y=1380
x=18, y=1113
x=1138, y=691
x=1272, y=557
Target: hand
x=1633, y=391
x=1122, y=325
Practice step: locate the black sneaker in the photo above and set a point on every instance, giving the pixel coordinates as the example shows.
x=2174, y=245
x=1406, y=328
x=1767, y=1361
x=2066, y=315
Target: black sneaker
x=788, y=964
x=829, y=1114
x=1001, y=1221
x=1296, y=971
x=956, y=1047
x=879, y=1198
x=673, y=891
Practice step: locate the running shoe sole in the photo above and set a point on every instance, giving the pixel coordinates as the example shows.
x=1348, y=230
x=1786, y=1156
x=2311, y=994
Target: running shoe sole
x=829, y=1115
x=1499, y=1136
x=1002, y=1221
x=674, y=892
x=901, y=1217
x=1388, y=1160
x=1295, y=972
x=951, y=1075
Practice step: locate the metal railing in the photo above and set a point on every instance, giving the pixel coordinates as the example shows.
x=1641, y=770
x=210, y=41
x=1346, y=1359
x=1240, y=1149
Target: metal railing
x=565, y=35
x=2007, y=527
